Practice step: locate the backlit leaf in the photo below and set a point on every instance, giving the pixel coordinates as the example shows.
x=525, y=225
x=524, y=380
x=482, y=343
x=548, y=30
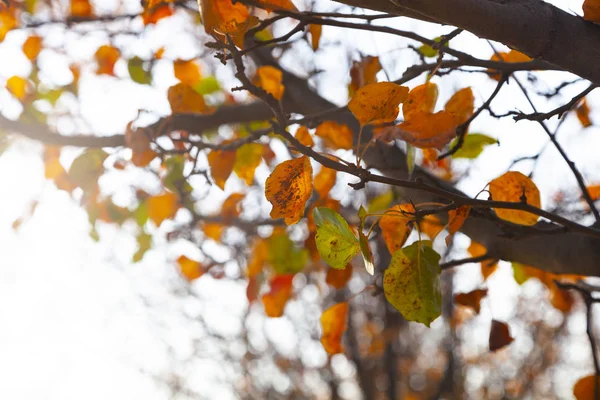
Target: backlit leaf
x=315, y=35
x=288, y=188
x=221, y=165
x=381, y=202
x=367, y=254
x=421, y=99
x=335, y=136
x=183, y=99
x=515, y=187
x=215, y=13
x=270, y=79
x=336, y=242
x=583, y=111
x=461, y=105
x=18, y=87
x=431, y=226
x=144, y=242
x=143, y=158
x=8, y=21
x=499, y=335
x=276, y=299
x=338, y=277
x=411, y=283
x=87, y=168
x=154, y=14
x=213, y=231
x=363, y=72
x=488, y=267
x=32, y=47
x=161, y=207
x=426, y=130
x=304, y=137
x=248, y=157
x=473, y=145
x=471, y=299
x=81, y=8
x=190, y=269
x=396, y=225
x=377, y=102
x=324, y=181
x=282, y=4
x=207, y=85
x=333, y=325
x=512, y=56
x=106, y=57
x=187, y=71
x=456, y=219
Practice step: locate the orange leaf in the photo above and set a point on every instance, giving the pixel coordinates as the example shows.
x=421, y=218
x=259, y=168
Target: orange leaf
x=18, y=87
x=583, y=113
x=190, y=269
x=288, y=188
x=591, y=10
x=339, y=277
x=377, y=102
x=363, y=72
x=161, y=207
x=461, y=105
x=258, y=256
x=213, y=231
x=32, y=47
x=221, y=165
x=499, y=335
x=396, y=225
x=270, y=78
x=187, y=71
x=142, y=159
x=431, y=226
x=561, y=299
x=154, y=14
x=324, y=181
x=247, y=158
x=304, y=137
x=282, y=4
x=585, y=388
x=512, y=56
x=476, y=250
x=333, y=323
x=315, y=35
x=471, y=299
x=422, y=98
x=232, y=207
x=515, y=187
x=281, y=291
x=106, y=57
x=594, y=192
x=217, y=12
x=81, y=8
x=456, y=219
x=252, y=290
x=8, y=21
x=425, y=130
x=183, y=99
x=334, y=135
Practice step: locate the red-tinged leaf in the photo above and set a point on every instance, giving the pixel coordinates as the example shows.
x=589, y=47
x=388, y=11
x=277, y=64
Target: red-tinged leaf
x=324, y=181
x=421, y=99
x=335, y=136
x=221, y=165
x=515, y=187
x=377, y=102
x=270, y=79
x=333, y=324
x=190, y=269
x=471, y=299
x=456, y=219
x=396, y=225
x=288, y=188
x=499, y=335
x=585, y=388
x=338, y=278
x=276, y=299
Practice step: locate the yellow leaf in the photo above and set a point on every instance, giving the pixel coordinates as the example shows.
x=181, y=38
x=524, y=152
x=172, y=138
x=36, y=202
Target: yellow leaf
x=161, y=207
x=32, y=47
x=81, y=8
x=515, y=187
x=187, y=71
x=431, y=226
x=106, y=57
x=183, y=99
x=487, y=268
x=190, y=269
x=456, y=219
x=377, y=102
x=221, y=165
x=270, y=78
x=583, y=113
x=213, y=231
x=17, y=86
x=363, y=72
x=427, y=130
x=333, y=324
x=324, y=181
x=396, y=225
x=422, y=98
x=281, y=291
x=461, y=105
x=304, y=137
x=288, y=188
x=335, y=136
x=315, y=35
x=585, y=388
x=247, y=158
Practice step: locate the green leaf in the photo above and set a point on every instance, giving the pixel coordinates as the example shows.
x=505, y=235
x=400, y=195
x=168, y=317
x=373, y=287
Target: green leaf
x=381, y=202
x=411, y=282
x=410, y=158
x=207, y=85
x=174, y=179
x=335, y=240
x=367, y=254
x=137, y=72
x=144, y=243
x=519, y=273
x=87, y=168
x=362, y=214
x=429, y=51
x=473, y=145
x=141, y=214
x=284, y=256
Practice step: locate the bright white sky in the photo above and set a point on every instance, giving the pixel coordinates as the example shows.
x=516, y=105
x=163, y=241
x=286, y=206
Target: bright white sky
x=75, y=321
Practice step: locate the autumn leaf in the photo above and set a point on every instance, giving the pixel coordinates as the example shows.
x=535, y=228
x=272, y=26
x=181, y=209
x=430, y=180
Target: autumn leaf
x=154, y=14
x=377, y=102
x=221, y=165
x=456, y=219
x=161, y=207
x=515, y=187
x=334, y=135
x=143, y=158
x=270, y=79
x=336, y=242
x=106, y=58
x=583, y=111
x=213, y=231
x=283, y=254
x=8, y=21
x=190, y=269
x=366, y=252
x=183, y=99
x=258, y=257
x=396, y=224
x=333, y=325
x=594, y=191
x=427, y=130
x=473, y=145
x=461, y=105
x=187, y=71
x=512, y=56
x=315, y=31
x=281, y=4
x=87, y=168
x=338, y=277
x=232, y=206
x=591, y=11
x=288, y=188
x=32, y=47
x=81, y=8
x=585, y=388
x=421, y=99
x=499, y=335
x=487, y=267
x=276, y=299
x=431, y=226
x=216, y=14
x=247, y=158
x=471, y=299
x=411, y=283
x=363, y=72
x=324, y=181
x=304, y=137
x=18, y=87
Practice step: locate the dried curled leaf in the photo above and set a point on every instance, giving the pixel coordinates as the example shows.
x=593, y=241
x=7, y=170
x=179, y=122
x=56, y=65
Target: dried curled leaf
x=515, y=187
x=288, y=188
x=377, y=102
x=396, y=224
x=333, y=324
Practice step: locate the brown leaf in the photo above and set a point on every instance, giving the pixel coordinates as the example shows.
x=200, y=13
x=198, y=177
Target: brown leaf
x=499, y=335
x=585, y=388
x=288, y=188
x=471, y=299
x=583, y=113
x=339, y=277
